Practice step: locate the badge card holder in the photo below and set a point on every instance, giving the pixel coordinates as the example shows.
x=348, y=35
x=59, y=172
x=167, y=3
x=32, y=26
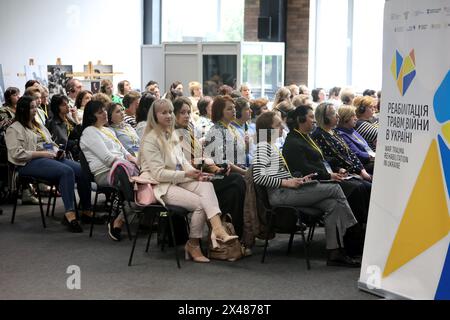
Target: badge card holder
x=328, y=167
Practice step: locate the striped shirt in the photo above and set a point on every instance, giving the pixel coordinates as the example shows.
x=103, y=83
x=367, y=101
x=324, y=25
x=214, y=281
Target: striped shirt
x=369, y=132
x=131, y=120
x=268, y=166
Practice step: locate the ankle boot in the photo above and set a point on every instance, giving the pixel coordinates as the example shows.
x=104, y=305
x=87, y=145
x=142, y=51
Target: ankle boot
x=218, y=233
x=195, y=253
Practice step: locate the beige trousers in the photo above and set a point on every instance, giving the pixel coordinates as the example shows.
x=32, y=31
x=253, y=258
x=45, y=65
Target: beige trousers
x=196, y=197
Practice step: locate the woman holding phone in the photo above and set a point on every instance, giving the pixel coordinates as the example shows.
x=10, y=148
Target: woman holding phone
x=271, y=171
x=32, y=150
x=178, y=183
x=229, y=186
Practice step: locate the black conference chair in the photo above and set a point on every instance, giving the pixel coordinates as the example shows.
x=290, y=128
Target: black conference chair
x=21, y=181
x=110, y=192
x=288, y=220
x=157, y=211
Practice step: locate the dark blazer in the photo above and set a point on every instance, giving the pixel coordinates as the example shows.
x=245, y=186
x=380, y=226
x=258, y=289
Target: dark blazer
x=302, y=158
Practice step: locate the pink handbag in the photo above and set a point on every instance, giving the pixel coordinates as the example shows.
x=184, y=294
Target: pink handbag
x=143, y=192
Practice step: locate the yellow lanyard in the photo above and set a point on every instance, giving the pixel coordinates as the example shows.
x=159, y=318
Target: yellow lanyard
x=362, y=142
x=110, y=135
x=341, y=141
x=282, y=158
x=231, y=129
x=244, y=127
x=194, y=143
x=68, y=127
x=41, y=133
x=130, y=135
x=311, y=143
x=45, y=110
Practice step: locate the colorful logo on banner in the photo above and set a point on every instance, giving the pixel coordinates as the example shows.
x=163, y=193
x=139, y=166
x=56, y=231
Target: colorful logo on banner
x=426, y=220
x=404, y=70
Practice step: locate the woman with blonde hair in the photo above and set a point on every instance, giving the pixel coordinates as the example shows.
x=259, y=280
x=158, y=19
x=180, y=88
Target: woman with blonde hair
x=356, y=143
x=178, y=183
x=283, y=94
x=195, y=89
x=245, y=91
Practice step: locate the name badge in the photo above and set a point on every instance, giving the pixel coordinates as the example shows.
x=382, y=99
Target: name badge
x=48, y=146
x=328, y=167
x=370, y=151
x=135, y=150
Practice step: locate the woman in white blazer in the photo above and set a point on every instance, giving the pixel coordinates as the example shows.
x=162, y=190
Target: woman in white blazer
x=178, y=183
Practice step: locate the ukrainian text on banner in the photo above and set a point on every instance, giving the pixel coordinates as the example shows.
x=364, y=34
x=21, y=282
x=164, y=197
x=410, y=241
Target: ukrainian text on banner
x=406, y=252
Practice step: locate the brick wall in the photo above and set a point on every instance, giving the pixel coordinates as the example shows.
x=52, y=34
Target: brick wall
x=297, y=36
x=251, y=14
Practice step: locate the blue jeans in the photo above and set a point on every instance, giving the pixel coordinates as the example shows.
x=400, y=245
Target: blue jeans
x=64, y=173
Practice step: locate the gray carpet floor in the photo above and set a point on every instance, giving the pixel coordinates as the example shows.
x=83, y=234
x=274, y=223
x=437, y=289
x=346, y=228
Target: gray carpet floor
x=34, y=263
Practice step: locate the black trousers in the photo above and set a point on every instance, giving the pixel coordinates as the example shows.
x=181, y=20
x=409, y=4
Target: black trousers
x=230, y=192
x=358, y=197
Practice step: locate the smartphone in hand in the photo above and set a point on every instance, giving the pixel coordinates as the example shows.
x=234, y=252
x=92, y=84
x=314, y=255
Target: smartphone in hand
x=60, y=153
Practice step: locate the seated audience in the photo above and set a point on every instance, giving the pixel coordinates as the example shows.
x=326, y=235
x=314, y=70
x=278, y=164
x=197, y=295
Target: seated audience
x=7, y=115
x=282, y=94
x=245, y=91
x=179, y=184
x=242, y=125
x=333, y=146
x=102, y=149
x=131, y=102
x=223, y=143
x=123, y=88
x=356, y=143
x=153, y=88
x=284, y=188
x=304, y=155
x=81, y=101
x=107, y=87
x=282, y=109
x=8, y=110
x=230, y=189
x=142, y=112
x=365, y=125
x=64, y=131
x=124, y=131
x=195, y=89
x=258, y=106
x=204, y=122
x=36, y=92
x=175, y=91
x=294, y=89
x=225, y=90
x=32, y=150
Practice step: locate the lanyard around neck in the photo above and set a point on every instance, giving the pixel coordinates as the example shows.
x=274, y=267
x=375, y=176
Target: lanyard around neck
x=110, y=135
x=310, y=142
x=41, y=133
x=283, y=159
x=68, y=127
x=230, y=128
x=243, y=127
x=130, y=134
